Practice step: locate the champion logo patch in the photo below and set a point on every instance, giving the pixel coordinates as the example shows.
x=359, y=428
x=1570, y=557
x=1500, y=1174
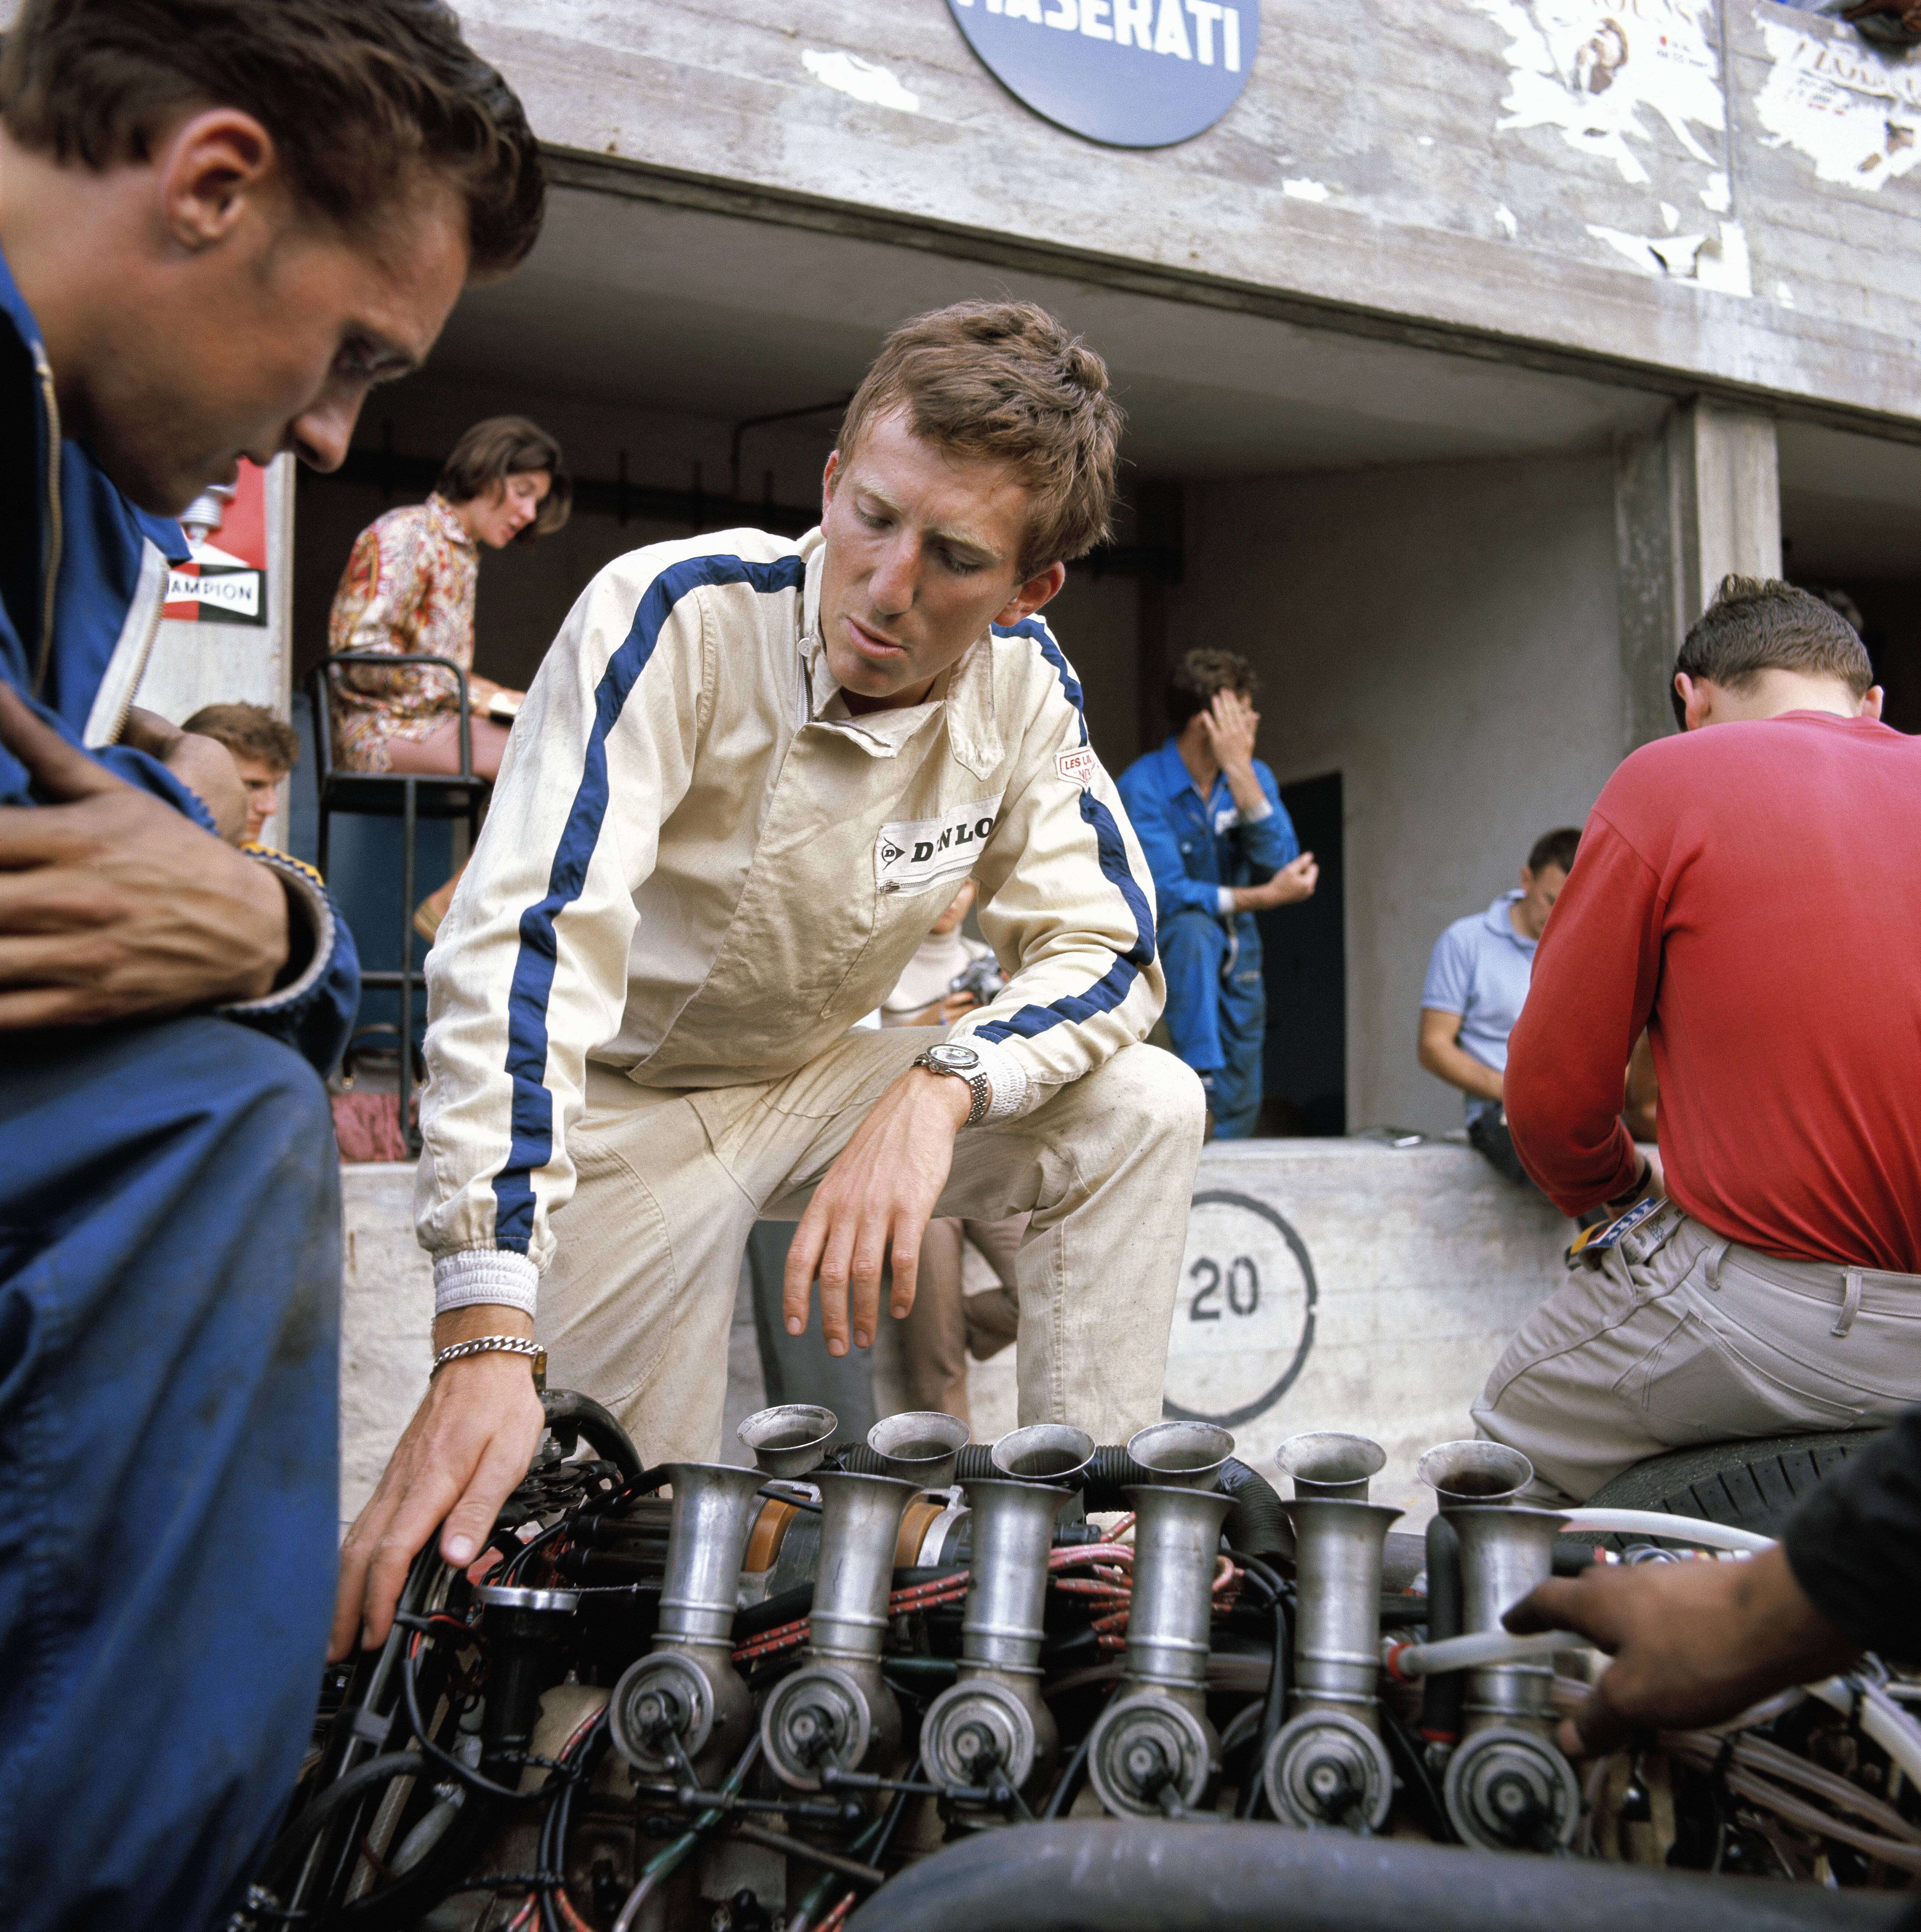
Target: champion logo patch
x=913, y=855
x=1078, y=767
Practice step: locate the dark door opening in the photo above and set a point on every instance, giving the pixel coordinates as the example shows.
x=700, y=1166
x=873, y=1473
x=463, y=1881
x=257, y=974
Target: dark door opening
x=1304, y=1067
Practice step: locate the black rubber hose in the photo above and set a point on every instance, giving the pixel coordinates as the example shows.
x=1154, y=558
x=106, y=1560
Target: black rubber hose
x=1153, y=1876
x=568, y=1413
x=1443, y=1694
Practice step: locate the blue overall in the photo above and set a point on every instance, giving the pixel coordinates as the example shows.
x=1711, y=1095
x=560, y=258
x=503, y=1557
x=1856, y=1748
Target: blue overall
x=170, y=1282
x=1217, y=1004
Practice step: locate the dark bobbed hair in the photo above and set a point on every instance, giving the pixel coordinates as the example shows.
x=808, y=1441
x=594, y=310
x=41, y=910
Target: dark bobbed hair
x=1197, y=675
x=508, y=446
x=1759, y=623
x=1555, y=848
x=1004, y=380
x=356, y=94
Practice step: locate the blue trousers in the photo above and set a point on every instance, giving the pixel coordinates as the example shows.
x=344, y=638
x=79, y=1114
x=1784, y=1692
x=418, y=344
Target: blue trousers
x=1217, y=1014
x=170, y=1281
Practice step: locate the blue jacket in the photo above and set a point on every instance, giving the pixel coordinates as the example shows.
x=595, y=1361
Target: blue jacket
x=1194, y=849
x=75, y=655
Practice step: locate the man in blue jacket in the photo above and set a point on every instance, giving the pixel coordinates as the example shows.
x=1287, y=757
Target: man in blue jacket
x=220, y=222
x=1210, y=818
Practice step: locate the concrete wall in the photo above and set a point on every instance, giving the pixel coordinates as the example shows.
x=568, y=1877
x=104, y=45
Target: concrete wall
x=1714, y=190
x=1326, y=1285
x=1446, y=638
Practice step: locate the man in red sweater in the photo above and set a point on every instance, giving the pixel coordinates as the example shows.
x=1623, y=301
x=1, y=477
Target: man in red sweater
x=1751, y=895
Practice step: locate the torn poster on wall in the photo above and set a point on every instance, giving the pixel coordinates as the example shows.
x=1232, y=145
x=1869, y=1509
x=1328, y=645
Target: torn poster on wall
x=1853, y=111
x=1589, y=68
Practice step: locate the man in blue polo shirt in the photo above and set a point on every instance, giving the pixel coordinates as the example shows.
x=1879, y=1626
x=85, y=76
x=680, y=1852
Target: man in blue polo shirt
x=1221, y=847
x=1477, y=979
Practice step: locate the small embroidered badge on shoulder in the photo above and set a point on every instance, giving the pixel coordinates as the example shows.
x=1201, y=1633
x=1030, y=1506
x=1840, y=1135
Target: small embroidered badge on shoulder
x=1078, y=767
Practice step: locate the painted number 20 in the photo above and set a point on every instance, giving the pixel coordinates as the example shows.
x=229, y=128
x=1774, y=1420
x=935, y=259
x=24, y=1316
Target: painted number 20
x=1242, y=1281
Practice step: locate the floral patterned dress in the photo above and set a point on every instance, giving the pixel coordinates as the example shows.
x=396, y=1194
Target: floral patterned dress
x=408, y=586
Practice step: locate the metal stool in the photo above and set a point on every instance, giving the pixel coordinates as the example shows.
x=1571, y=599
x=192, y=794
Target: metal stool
x=409, y=796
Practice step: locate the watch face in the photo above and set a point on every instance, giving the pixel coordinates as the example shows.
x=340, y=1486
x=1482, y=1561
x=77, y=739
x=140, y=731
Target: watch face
x=960, y=1058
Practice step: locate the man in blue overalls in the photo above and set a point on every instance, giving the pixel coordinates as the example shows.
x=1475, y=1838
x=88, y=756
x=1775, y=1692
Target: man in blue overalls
x=1210, y=818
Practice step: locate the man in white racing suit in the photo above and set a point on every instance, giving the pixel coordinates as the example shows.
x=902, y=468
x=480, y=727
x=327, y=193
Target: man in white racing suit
x=750, y=775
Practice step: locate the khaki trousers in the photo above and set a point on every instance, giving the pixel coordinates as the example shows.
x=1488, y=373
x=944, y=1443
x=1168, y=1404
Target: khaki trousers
x=635, y=1310
x=1680, y=1337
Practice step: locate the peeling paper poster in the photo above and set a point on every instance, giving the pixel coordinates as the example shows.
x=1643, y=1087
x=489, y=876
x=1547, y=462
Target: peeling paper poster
x=1853, y=112
x=1590, y=66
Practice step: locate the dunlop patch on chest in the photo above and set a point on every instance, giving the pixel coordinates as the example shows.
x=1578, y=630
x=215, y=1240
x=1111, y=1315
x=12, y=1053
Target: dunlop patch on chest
x=912, y=854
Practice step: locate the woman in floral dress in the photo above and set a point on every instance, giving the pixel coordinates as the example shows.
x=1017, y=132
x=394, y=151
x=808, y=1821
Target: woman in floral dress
x=408, y=587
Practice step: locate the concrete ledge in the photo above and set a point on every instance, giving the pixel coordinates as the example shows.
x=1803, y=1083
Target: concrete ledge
x=1328, y=1284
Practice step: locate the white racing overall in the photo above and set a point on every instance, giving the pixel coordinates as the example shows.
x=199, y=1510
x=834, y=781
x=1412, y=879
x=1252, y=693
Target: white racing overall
x=698, y=870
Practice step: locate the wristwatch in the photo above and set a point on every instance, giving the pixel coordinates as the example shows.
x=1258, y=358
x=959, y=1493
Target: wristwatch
x=964, y=1063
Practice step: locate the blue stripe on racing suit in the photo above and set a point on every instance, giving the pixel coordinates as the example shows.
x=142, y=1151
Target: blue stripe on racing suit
x=532, y=1144
x=1112, y=988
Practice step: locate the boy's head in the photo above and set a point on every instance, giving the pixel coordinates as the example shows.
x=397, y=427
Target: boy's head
x=978, y=456
x=231, y=217
x=1756, y=626
x=264, y=749
x=1198, y=677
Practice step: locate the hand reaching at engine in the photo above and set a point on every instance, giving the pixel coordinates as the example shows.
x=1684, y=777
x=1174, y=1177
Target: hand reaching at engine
x=873, y=1203
x=1692, y=1643
x=463, y=1455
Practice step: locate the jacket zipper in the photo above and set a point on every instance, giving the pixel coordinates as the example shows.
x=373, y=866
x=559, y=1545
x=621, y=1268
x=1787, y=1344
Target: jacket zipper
x=53, y=527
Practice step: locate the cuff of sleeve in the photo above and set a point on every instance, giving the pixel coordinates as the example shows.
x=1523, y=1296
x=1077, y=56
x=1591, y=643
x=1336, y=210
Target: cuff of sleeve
x=1254, y=817
x=484, y=1274
x=308, y=901
x=1006, y=1077
x=1224, y=901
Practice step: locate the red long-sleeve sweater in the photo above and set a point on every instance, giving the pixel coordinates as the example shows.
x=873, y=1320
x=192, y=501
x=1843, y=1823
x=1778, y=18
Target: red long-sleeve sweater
x=1752, y=894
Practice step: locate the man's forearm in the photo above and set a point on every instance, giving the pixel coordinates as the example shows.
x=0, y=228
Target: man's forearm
x=1446, y=1060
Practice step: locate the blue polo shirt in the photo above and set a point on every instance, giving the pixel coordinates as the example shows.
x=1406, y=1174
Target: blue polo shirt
x=1479, y=968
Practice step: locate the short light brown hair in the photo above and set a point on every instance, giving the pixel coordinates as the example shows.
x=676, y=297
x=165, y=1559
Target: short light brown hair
x=1197, y=675
x=248, y=731
x=1004, y=380
x=504, y=446
x=355, y=93
x=1759, y=623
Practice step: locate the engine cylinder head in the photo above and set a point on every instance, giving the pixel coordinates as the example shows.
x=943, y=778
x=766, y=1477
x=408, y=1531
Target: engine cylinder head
x=1043, y=1452
x=1465, y=1474
x=789, y=1439
x=1337, y=1619
x=1507, y=1790
x=1149, y=1755
x=1325, y=1463
x=688, y=1684
x=836, y=1709
x=1329, y=1767
x=1181, y=1454
x=1505, y=1552
x=1153, y=1749
x=1001, y=1636
x=919, y=1446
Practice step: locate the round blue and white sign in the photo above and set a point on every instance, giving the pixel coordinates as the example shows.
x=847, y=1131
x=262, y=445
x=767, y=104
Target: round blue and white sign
x=1132, y=73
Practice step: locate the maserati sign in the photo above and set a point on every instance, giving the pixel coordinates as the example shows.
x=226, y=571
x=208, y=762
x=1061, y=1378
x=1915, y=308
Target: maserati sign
x=1132, y=74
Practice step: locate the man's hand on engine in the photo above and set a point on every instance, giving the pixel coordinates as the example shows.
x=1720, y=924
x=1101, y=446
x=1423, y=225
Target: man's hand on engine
x=1692, y=1643
x=112, y=904
x=876, y=1200
x=463, y=1454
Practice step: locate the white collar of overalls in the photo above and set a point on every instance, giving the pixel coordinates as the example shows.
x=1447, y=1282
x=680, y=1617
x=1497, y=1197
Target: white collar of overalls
x=964, y=694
